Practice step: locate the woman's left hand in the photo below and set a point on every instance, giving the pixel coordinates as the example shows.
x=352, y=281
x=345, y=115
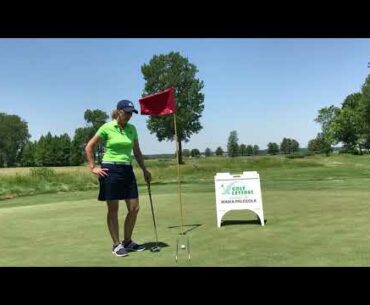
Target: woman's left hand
x=147, y=175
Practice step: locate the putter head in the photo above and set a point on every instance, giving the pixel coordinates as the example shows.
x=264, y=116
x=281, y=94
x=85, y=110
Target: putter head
x=155, y=249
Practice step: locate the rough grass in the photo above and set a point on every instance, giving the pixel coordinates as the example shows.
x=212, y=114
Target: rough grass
x=277, y=172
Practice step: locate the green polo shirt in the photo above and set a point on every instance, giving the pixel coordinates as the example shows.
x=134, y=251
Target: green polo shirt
x=119, y=142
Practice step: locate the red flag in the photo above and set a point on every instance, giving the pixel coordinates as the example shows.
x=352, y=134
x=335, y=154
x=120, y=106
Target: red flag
x=161, y=103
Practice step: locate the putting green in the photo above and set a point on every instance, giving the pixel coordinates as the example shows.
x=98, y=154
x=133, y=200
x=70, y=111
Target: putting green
x=304, y=228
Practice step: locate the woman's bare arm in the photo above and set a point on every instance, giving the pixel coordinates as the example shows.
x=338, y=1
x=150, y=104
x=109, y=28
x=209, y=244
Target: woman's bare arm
x=89, y=149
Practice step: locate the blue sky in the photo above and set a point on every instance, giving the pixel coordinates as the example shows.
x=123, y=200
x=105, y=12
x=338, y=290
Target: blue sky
x=265, y=89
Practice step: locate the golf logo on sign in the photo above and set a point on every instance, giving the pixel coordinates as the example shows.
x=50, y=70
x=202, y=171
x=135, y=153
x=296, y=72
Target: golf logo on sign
x=238, y=192
x=236, y=188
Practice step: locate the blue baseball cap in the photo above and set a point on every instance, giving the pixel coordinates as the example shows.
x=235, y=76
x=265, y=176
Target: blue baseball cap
x=127, y=106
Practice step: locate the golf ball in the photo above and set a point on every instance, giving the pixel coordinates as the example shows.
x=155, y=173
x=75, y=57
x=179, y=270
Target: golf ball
x=182, y=246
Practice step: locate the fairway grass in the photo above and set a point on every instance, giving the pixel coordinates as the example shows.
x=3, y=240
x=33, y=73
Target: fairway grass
x=316, y=211
x=314, y=226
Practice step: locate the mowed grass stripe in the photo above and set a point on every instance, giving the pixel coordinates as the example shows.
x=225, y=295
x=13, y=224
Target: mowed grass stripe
x=304, y=228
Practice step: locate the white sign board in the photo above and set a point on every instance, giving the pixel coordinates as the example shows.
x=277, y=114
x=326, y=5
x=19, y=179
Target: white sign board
x=238, y=192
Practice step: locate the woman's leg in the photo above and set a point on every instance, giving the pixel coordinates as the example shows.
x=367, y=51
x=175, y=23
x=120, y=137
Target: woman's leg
x=112, y=220
x=133, y=209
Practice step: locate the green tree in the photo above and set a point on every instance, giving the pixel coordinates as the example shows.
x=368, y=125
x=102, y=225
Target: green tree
x=208, y=152
x=219, y=151
x=255, y=150
x=64, y=148
x=56, y=153
x=249, y=150
x=173, y=70
x=294, y=146
x=13, y=138
x=232, y=144
x=49, y=151
x=365, y=100
x=186, y=153
x=28, y=154
x=326, y=118
x=285, y=146
x=313, y=146
x=319, y=145
x=348, y=126
x=80, y=139
x=352, y=101
x=242, y=150
x=96, y=118
x=44, y=154
x=289, y=146
x=365, y=113
x=272, y=148
x=195, y=152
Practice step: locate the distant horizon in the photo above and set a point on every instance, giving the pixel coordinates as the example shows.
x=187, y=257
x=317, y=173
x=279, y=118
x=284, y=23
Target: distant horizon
x=265, y=89
x=335, y=147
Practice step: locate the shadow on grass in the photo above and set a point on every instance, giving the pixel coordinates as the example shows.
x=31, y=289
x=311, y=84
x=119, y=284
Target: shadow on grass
x=241, y=222
x=194, y=226
x=152, y=244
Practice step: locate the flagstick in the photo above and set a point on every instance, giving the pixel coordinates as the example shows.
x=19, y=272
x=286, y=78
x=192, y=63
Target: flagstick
x=178, y=174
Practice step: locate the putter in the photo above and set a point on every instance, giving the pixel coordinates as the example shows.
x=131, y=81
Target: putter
x=156, y=248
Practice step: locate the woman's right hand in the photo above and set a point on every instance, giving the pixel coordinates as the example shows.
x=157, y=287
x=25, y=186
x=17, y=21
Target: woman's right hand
x=100, y=172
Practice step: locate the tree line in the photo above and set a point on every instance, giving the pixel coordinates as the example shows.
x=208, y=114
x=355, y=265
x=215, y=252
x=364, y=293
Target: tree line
x=348, y=124
x=16, y=149
x=287, y=146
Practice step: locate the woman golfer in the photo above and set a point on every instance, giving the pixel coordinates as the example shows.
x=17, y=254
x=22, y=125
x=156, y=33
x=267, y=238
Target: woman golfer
x=116, y=176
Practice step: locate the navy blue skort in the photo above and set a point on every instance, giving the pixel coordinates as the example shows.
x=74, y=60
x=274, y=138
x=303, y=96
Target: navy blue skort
x=119, y=184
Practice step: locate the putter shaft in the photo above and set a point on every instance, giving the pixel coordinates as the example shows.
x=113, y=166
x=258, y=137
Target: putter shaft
x=151, y=206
